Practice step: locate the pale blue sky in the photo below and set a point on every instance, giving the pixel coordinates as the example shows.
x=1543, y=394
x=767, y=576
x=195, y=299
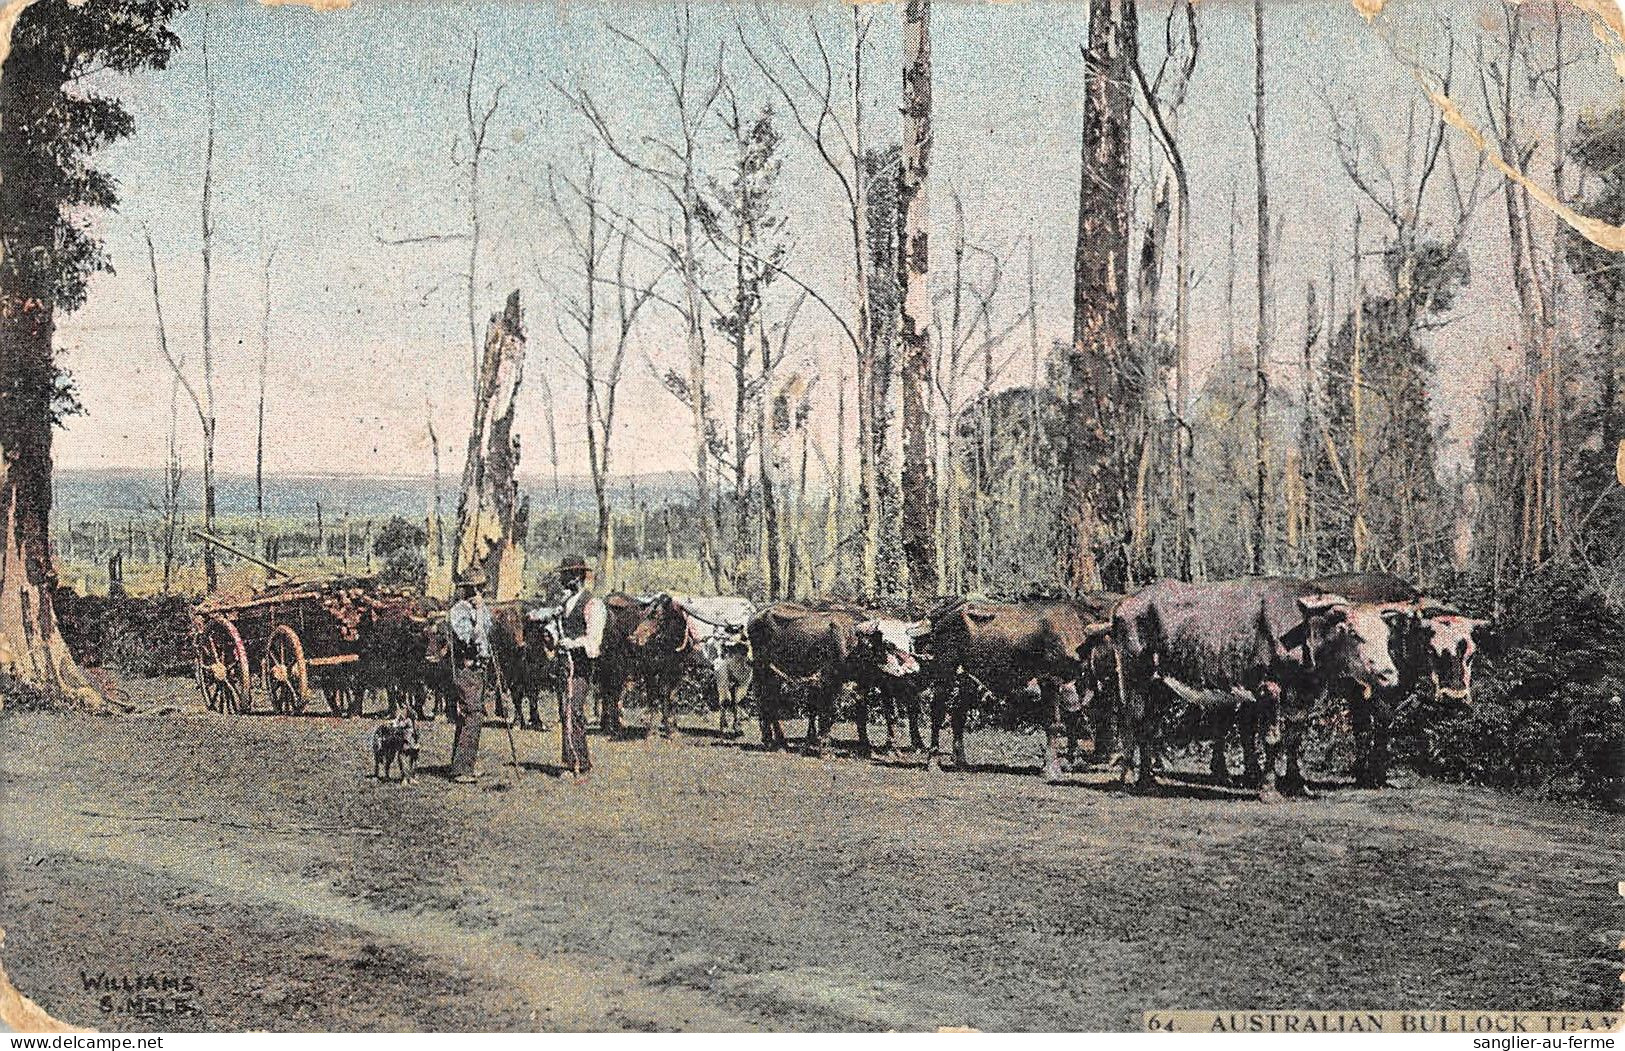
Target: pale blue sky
x=335, y=129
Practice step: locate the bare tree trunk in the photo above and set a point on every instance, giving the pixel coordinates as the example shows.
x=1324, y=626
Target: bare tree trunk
x=1099, y=314
x=919, y=504
x=210, y=572
x=1357, y=485
x=265, y=363
x=764, y=468
x=491, y=518
x=1261, y=342
x=477, y=126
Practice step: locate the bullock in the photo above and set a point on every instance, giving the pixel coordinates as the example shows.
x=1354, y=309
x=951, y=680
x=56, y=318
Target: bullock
x=1001, y=648
x=655, y=652
x=722, y=652
x=820, y=650
x=885, y=667
x=618, y=661
x=728, y=654
x=1278, y=641
x=1436, y=644
x=524, y=656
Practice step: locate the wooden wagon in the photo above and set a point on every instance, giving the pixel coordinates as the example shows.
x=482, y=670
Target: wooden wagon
x=295, y=634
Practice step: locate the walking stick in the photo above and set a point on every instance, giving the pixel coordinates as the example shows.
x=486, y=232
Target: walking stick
x=513, y=748
x=567, y=712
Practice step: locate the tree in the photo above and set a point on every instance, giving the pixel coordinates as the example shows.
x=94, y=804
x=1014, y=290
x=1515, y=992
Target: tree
x=265, y=366
x=743, y=223
x=1099, y=348
x=919, y=518
x=403, y=546
x=1377, y=442
x=1163, y=112
x=593, y=241
x=670, y=163
x=51, y=126
x=492, y=519
x=1261, y=337
x=812, y=98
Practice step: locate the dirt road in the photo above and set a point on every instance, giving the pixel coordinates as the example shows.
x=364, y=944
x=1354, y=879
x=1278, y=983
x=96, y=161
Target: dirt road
x=705, y=885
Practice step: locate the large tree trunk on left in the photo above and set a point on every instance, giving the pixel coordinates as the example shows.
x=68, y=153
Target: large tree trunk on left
x=32, y=653
x=919, y=503
x=491, y=518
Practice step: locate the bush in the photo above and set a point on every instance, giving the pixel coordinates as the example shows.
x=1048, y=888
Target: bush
x=146, y=637
x=1547, y=710
x=402, y=545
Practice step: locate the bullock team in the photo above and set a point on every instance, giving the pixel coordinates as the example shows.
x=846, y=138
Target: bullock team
x=1254, y=658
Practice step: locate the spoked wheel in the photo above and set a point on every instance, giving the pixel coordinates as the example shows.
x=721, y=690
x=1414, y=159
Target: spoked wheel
x=284, y=671
x=222, y=667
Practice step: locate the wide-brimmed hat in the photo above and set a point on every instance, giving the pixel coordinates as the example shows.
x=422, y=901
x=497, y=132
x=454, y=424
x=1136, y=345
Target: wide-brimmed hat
x=573, y=564
x=472, y=578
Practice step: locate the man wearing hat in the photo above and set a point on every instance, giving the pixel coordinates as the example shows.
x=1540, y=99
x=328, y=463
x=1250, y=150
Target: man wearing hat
x=581, y=623
x=469, y=624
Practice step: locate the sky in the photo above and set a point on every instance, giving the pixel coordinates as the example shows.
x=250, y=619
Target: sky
x=337, y=134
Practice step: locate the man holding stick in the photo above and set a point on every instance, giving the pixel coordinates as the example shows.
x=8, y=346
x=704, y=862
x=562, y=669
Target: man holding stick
x=581, y=622
x=469, y=625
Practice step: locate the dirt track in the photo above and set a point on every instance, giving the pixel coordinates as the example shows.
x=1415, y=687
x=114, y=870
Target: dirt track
x=707, y=885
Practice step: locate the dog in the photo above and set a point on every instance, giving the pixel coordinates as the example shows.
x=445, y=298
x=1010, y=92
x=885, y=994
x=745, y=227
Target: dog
x=395, y=743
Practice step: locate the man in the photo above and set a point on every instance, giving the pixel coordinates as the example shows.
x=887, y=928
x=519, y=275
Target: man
x=581, y=623
x=469, y=624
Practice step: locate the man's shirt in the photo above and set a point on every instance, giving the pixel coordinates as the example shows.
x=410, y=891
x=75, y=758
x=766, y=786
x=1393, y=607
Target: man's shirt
x=471, y=626
x=583, y=619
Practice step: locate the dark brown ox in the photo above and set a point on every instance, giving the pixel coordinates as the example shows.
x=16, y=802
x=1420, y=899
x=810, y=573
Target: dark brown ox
x=818, y=651
x=998, y=649
x=660, y=647
x=1435, y=648
x=524, y=656
x=644, y=642
x=1277, y=640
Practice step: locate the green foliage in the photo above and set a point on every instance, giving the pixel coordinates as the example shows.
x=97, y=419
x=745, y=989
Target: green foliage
x=403, y=546
x=1408, y=511
x=1546, y=714
x=138, y=636
x=51, y=125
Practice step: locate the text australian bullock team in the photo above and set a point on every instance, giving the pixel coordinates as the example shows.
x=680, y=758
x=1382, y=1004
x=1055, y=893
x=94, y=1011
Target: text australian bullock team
x=1256, y=658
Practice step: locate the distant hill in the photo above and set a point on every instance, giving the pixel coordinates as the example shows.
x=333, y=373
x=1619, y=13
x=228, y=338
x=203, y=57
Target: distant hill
x=133, y=492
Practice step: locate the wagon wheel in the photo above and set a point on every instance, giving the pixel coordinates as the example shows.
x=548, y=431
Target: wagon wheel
x=222, y=667
x=284, y=672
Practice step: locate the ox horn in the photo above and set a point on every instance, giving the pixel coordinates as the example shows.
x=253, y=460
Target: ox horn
x=1321, y=603
x=918, y=629
x=866, y=627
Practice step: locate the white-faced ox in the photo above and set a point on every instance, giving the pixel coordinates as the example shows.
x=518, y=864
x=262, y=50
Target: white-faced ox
x=1434, y=649
x=1279, y=641
x=888, y=670
x=716, y=624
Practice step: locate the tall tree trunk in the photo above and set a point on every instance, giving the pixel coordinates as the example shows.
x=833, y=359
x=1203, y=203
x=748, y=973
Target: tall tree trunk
x=1100, y=270
x=1261, y=341
x=764, y=470
x=32, y=652
x=919, y=503
x=1357, y=486
x=491, y=517
x=265, y=364
x=741, y=370
x=210, y=572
